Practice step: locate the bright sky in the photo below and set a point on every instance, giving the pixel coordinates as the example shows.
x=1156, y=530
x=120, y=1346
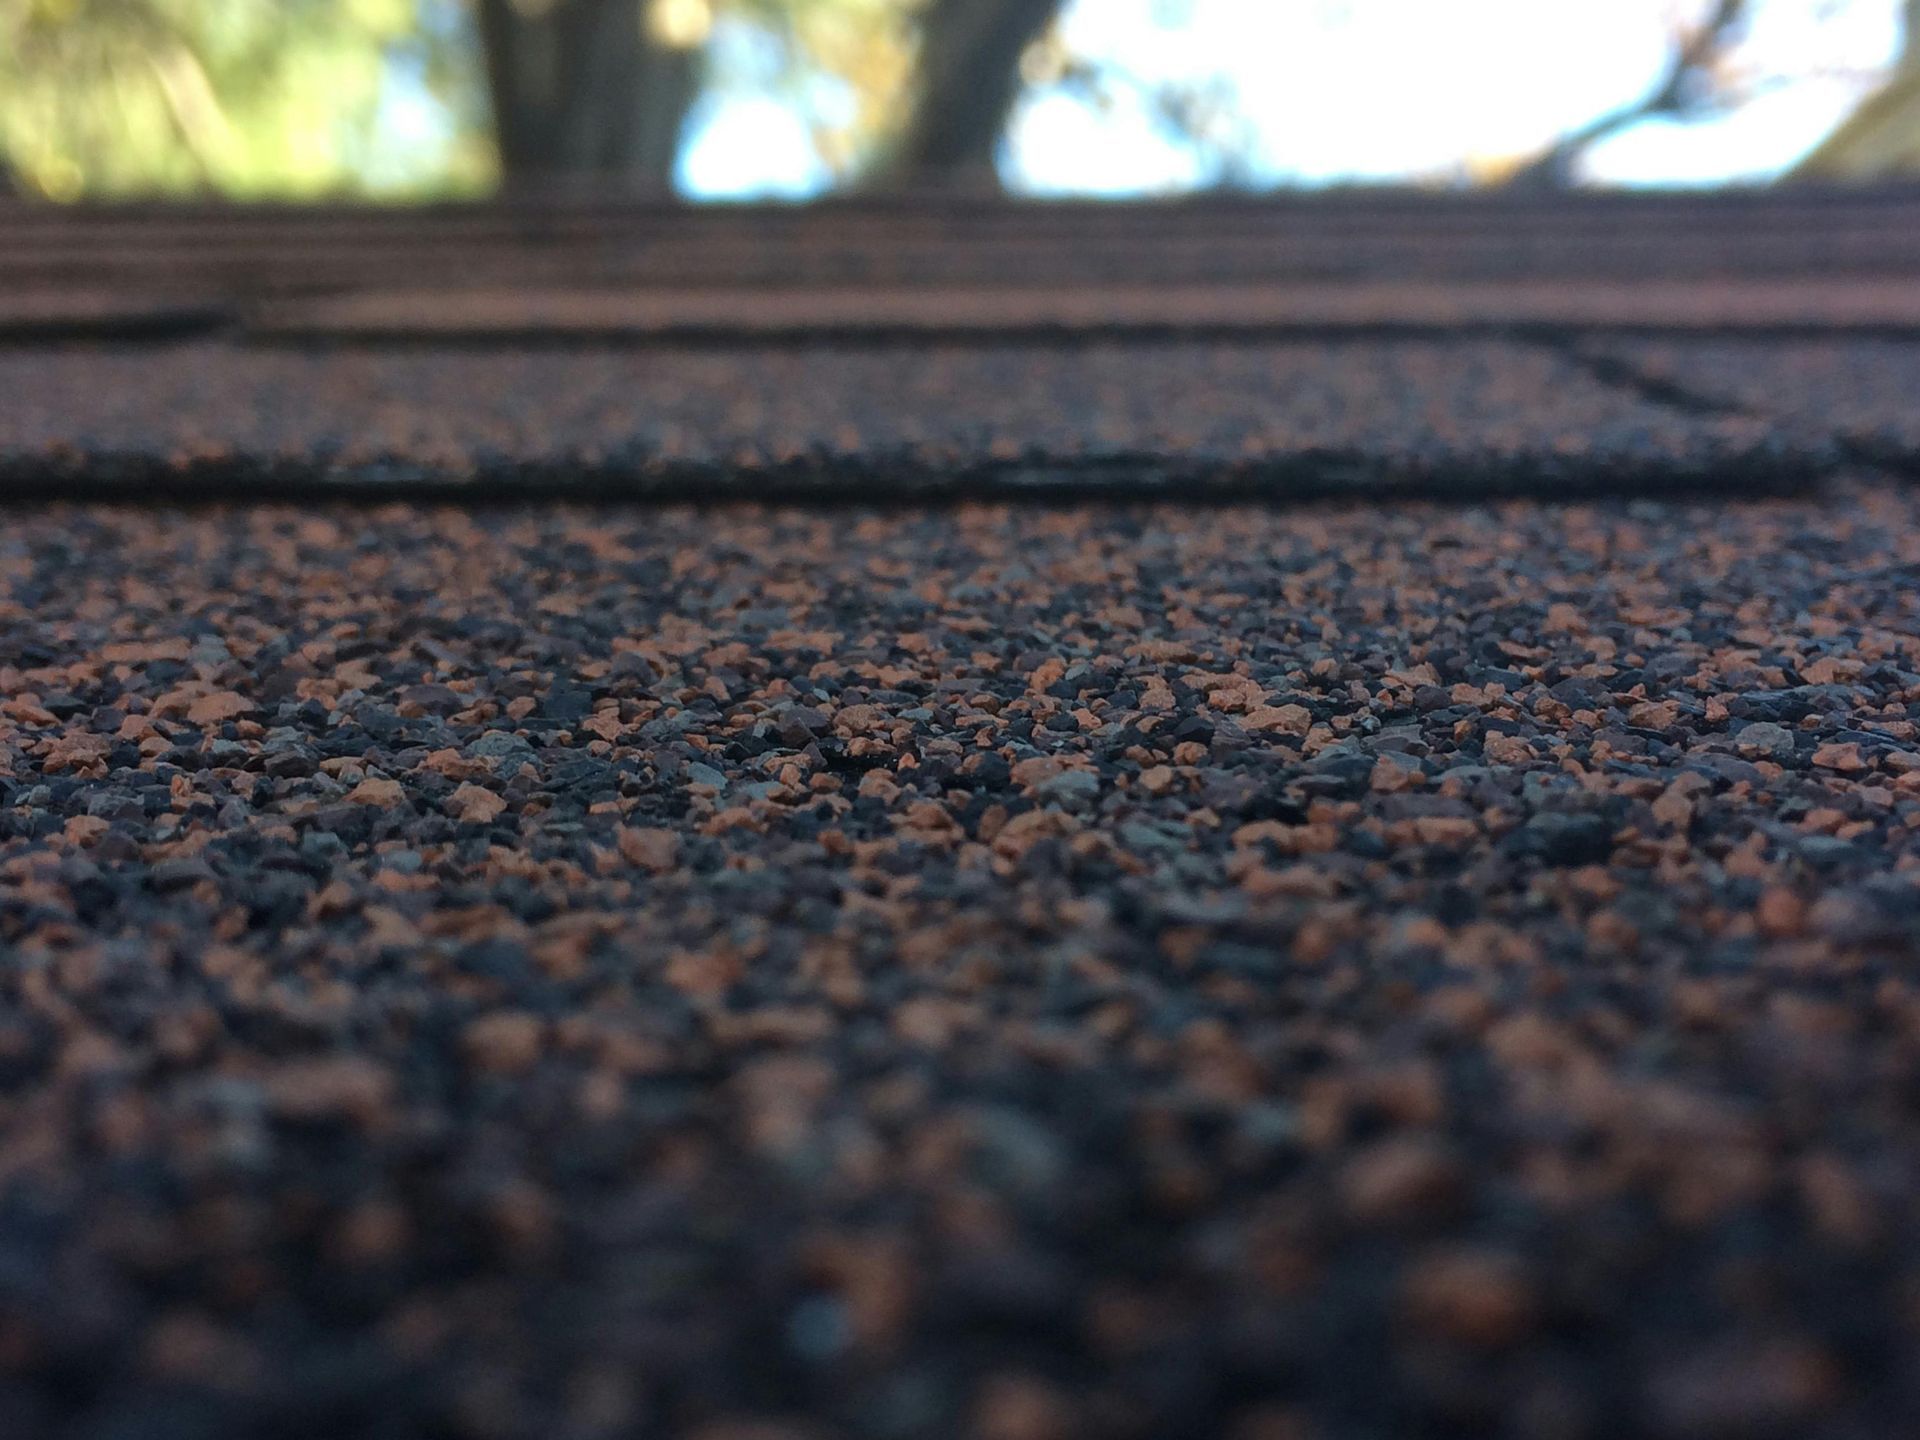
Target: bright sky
x=1381, y=90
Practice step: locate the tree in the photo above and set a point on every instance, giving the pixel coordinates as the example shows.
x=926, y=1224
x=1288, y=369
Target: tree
x=592, y=89
x=299, y=97
x=967, y=77
x=1882, y=137
x=244, y=97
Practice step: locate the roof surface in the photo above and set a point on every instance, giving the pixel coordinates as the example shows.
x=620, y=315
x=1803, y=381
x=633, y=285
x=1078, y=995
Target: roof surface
x=1274, y=347
x=1304, y=821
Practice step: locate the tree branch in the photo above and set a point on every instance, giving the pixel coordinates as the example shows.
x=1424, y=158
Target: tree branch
x=193, y=107
x=1672, y=96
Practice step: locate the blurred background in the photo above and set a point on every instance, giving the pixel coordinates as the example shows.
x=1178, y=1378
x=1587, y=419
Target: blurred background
x=735, y=99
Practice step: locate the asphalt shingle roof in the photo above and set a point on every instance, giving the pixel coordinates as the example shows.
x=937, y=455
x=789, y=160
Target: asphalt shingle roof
x=1422, y=944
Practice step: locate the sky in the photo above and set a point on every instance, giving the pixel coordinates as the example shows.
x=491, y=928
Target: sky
x=1343, y=91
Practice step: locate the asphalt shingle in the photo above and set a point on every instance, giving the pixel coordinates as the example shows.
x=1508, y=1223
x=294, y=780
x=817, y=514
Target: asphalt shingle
x=1855, y=394
x=904, y=419
x=613, y=971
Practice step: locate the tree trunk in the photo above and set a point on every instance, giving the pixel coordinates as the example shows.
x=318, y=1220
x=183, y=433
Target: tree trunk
x=968, y=79
x=1881, y=139
x=583, y=91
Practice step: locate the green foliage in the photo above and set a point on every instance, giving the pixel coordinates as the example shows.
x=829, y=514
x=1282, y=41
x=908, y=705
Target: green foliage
x=245, y=97
x=308, y=98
